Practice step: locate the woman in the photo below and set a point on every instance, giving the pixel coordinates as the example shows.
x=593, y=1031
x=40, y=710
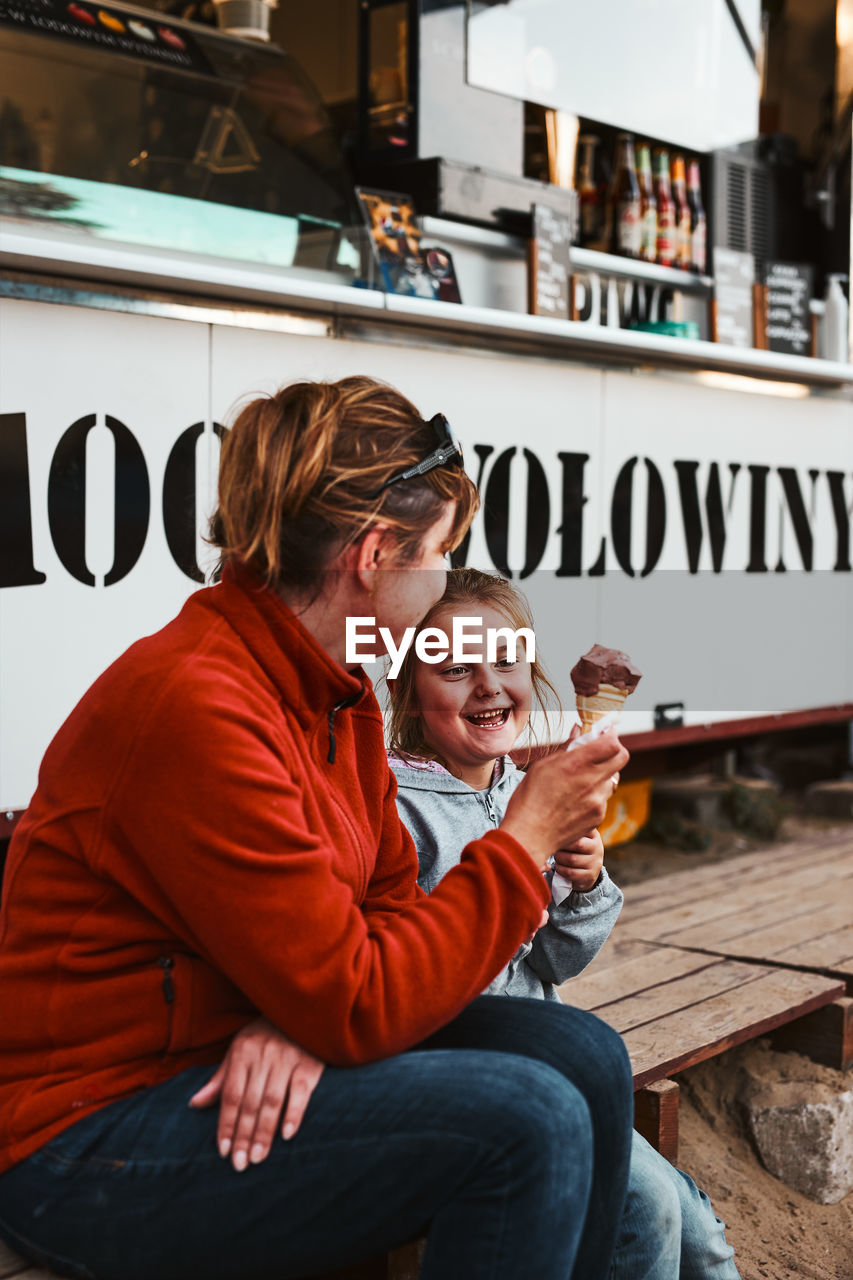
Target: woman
x=214, y=837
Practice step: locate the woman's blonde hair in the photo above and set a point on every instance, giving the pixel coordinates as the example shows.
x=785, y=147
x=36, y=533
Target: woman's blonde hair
x=464, y=587
x=300, y=473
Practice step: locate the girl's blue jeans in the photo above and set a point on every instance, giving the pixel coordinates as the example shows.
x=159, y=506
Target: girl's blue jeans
x=669, y=1230
x=505, y=1138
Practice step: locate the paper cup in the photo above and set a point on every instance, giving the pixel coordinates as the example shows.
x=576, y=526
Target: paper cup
x=247, y=18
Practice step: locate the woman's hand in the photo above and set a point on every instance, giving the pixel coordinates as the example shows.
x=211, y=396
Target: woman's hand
x=564, y=796
x=582, y=863
x=261, y=1071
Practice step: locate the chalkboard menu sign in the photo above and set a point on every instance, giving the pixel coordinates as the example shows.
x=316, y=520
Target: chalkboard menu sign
x=549, y=263
x=734, y=276
x=789, y=291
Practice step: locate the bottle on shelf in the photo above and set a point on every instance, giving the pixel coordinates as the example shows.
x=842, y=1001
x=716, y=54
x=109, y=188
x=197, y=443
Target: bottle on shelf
x=665, y=242
x=625, y=201
x=648, y=206
x=682, y=213
x=588, y=192
x=836, y=315
x=698, y=221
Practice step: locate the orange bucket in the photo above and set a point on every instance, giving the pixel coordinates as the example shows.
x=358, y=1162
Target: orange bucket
x=627, y=811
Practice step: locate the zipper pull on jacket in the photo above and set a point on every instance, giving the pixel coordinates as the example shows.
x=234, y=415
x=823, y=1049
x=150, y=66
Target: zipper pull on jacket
x=167, y=964
x=333, y=711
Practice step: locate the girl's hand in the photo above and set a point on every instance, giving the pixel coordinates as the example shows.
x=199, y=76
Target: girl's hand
x=261, y=1071
x=582, y=862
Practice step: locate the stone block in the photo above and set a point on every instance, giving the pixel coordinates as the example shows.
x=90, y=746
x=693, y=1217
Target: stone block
x=804, y=1136
x=705, y=799
x=830, y=799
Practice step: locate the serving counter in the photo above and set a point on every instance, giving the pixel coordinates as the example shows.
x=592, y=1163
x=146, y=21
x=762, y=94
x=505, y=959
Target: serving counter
x=684, y=500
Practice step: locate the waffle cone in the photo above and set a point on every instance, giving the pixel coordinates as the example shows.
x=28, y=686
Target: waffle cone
x=594, y=706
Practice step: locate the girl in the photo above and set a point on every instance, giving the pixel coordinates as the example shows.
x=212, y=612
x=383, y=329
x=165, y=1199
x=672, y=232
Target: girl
x=213, y=864
x=450, y=729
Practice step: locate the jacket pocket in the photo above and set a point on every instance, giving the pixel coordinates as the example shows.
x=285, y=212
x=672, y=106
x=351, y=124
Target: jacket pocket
x=176, y=985
x=166, y=965
x=202, y=1006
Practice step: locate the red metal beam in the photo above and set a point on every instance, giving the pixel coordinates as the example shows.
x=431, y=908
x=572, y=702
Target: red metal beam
x=656, y=751
x=748, y=727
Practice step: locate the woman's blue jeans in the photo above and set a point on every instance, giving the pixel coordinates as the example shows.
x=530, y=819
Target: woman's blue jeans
x=505, y=1138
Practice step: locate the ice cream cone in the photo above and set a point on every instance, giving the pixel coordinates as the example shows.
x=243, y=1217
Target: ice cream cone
x=592, y=707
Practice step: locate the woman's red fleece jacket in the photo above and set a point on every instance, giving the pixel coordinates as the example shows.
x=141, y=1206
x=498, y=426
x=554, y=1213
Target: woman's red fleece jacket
x=193, y=857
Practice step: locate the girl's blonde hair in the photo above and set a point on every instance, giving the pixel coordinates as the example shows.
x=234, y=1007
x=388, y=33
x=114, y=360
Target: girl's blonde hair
x=464, y=587
x=300, y=473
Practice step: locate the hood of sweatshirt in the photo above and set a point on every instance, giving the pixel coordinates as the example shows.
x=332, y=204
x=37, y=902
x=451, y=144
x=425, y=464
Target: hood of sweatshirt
x=419, y=779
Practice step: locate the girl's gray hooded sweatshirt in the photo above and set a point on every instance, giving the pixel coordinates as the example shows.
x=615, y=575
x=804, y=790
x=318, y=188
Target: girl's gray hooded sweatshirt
x=444, y=815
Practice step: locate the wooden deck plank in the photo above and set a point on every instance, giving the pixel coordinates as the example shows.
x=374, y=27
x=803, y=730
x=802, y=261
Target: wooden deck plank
x=686, y=995
x=618, y=949
x=675, y=1003
x=641, y=971
x=692, y=1035
x=744, y=864
x=708, y=909
x=794, y=934
x=771, y=877
x=831, y=950
x=762, y=930
x=742, y=870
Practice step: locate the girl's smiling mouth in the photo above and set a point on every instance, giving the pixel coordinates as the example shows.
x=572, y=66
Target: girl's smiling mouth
x=495, y=718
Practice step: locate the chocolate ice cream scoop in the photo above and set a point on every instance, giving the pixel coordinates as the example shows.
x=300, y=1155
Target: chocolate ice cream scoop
x=604, y=666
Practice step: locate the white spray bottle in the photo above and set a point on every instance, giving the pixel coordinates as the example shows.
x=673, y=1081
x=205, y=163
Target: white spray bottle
x=835, y=344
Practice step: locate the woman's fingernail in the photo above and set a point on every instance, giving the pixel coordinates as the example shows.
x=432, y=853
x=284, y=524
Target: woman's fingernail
x=256, y=1155
x=288, y=1130
x=240, y=1160
x=224, y=1147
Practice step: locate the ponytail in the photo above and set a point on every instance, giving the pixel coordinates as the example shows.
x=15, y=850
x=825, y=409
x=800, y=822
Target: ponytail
x=301, y=471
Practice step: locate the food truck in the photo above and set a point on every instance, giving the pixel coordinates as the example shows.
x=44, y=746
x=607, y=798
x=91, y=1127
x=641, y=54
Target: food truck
x=665, y=454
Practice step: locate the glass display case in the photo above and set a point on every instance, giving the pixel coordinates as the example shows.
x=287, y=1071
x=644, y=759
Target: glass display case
x=125, y=125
